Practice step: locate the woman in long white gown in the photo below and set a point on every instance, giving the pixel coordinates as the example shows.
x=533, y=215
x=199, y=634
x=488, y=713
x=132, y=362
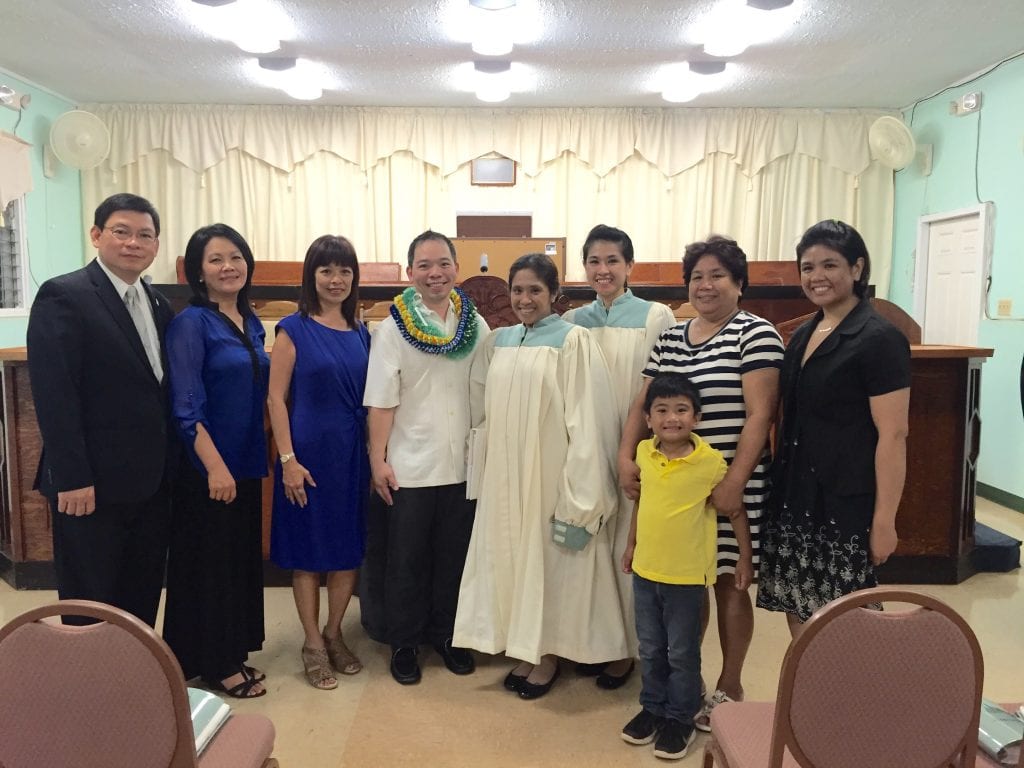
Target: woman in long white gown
x=539, y=580
x=626, y=327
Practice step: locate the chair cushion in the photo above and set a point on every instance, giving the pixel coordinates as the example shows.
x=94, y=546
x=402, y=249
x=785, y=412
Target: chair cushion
x=244, y=741
x=743, y=730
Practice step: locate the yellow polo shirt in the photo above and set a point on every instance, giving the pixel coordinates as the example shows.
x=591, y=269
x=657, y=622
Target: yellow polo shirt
x=676, y=529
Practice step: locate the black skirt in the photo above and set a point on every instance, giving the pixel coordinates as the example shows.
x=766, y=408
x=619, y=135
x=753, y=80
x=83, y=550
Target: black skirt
x=214, y=613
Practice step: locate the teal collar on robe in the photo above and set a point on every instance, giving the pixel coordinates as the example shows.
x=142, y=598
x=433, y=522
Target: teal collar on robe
x=627, y=311
x=549, y=332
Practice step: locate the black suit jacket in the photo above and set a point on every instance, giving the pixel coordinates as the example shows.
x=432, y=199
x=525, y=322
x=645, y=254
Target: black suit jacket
x=103, y=415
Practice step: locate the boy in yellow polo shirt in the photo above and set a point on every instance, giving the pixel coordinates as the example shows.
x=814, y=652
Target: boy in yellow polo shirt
x=671, y=552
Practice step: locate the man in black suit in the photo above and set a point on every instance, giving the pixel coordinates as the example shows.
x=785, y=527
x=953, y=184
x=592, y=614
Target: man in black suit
x=95, y=339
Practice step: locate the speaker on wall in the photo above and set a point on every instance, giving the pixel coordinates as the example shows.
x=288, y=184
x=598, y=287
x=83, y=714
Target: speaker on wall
x=492, y=172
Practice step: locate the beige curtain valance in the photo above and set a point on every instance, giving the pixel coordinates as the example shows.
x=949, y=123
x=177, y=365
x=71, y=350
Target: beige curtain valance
x=673, y=140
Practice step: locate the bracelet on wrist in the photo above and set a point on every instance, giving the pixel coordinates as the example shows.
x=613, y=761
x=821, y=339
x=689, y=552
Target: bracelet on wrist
x=286, y=457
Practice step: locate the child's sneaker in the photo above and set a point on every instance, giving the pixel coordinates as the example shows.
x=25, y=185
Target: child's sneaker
x=641, y=729
x=674, y=739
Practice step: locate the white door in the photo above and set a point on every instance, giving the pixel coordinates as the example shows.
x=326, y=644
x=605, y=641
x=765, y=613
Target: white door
x=955, y=249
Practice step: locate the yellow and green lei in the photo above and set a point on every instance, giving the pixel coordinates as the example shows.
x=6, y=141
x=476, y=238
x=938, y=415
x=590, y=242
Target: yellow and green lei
x=426, y=337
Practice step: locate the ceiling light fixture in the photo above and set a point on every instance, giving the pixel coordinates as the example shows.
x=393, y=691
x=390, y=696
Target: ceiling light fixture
x=688, y=80
x=253, y=25
x=299, y=78
x=492, y=27
x=493, y=80
x=735, y=25
x=496, y=5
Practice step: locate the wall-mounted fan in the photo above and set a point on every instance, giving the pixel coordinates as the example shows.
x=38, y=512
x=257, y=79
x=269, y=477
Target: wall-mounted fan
x=79, y=140
x=891, y=142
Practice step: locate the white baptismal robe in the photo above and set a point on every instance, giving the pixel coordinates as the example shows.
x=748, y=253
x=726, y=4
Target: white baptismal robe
x=552, y=436
x=626, y=332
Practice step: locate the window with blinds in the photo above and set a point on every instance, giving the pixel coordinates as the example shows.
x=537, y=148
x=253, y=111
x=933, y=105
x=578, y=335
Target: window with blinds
x=12, y=256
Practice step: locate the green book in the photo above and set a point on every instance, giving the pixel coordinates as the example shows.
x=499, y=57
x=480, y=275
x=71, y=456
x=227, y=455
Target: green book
x=1000, y=733
x=209, y=712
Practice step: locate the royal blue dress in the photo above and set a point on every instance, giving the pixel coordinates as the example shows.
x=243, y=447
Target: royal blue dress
x=328, y=424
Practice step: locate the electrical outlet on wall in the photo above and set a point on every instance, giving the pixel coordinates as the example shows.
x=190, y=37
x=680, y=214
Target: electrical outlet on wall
x=1004, y=308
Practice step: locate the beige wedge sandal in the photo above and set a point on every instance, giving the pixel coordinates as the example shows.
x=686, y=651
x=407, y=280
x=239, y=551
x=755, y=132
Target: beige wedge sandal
x=317, y=666
x=342, y=659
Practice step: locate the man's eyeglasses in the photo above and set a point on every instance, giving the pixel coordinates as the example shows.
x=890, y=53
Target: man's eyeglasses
x=124, y=235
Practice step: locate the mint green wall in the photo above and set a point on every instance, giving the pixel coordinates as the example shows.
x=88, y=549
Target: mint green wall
x=53, y=209
x=951, y=185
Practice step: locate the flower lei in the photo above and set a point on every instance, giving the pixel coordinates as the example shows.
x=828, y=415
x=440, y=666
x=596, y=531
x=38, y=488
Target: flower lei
x=426, y=337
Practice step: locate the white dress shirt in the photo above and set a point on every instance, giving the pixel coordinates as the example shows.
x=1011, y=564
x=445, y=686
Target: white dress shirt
x=427, y=445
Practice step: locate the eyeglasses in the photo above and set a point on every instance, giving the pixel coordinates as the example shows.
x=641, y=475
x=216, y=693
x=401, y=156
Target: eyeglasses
x=124, y=235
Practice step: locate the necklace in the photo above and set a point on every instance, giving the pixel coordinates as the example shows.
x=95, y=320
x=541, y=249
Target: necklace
x=824, y=330
x=430, y=339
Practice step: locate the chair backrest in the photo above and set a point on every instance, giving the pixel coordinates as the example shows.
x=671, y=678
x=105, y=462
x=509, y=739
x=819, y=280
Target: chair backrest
x=490, y=295
x=109, y=694
x=866, y=687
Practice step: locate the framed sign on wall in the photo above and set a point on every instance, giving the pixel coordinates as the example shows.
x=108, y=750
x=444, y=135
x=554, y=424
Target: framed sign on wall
x=492, y=172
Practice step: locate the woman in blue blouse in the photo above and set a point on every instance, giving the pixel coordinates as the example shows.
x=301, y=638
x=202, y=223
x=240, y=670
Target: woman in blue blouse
x=218, y=373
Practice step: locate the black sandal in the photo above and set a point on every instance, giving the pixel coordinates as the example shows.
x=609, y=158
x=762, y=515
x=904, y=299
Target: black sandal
x=240, y=691
x=254, y=673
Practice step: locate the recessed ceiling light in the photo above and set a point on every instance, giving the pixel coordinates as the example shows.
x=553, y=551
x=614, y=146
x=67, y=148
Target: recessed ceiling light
x=493, y=80
x=735, y=25
x=492, y=29
x=277, y=63
x=491, y=5
x=707, y=67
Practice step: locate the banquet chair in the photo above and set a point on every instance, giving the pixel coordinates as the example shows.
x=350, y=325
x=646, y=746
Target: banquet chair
x=864, y=687
x=108, y=694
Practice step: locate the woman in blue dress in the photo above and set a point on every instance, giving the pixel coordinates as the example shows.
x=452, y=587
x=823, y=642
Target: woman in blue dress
x=321, y=483
x=218, y=376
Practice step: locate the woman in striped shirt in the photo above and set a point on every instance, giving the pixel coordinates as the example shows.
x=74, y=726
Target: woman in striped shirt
x=734, y=358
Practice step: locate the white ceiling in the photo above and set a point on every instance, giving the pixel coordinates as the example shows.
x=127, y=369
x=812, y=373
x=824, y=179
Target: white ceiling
x=838, y=53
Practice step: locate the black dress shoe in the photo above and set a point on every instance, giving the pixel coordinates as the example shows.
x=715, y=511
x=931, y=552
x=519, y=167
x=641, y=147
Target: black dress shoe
x=458, y=660
x=513, y=681
x=528, y=690
x=611, y=682
x=405, y=668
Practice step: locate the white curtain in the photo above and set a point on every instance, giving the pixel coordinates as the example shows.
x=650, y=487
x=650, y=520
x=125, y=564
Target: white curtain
x=285, y=175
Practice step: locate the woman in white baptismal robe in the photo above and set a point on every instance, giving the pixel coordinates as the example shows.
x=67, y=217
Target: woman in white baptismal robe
x=539, y=580
x=626, y=328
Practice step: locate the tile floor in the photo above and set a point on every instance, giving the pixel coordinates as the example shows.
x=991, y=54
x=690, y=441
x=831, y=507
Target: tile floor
x=370, y=721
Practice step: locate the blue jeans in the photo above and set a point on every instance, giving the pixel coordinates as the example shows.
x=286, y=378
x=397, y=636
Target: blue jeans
x=668, y=627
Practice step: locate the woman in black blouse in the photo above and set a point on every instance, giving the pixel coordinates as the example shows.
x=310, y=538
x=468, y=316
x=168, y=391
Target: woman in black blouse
x=841, y=463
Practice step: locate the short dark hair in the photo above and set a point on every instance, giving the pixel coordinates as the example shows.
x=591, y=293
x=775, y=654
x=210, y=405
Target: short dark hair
x=840, y=237
x=728, y=253
x=542, y=266
x=606, y=234
x=671, y=385
x=329, y=250
x=125, y=201
x=430, y=234
x=194, y=264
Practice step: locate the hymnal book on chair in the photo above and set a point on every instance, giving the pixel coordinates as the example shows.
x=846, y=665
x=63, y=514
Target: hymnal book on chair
x=1000, y=733
x=209, y=712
